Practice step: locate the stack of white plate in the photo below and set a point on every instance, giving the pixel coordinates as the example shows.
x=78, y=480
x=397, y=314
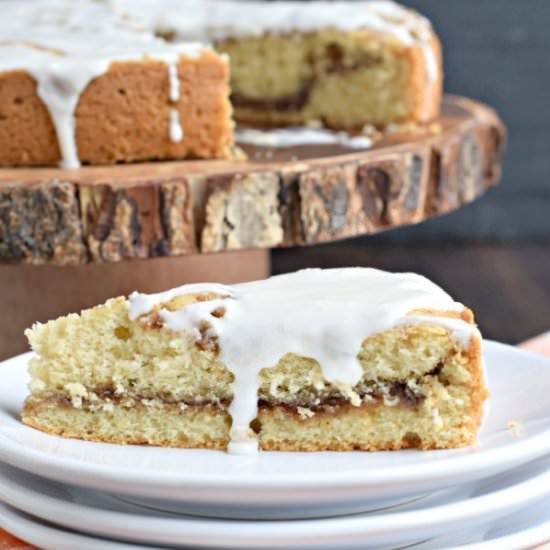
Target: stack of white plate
x=66, y=494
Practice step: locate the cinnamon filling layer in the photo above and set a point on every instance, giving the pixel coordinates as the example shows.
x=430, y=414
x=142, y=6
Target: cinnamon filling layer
x=291, y=102
x=396, y=394
x=300, y=98
x=391, y=394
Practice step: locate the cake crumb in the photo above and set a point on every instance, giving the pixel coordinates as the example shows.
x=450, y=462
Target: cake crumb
x=108, y=407
x=77, y=393
x=305, y=413
x=37, y=386
x=128, y=402
x=438, y=421
x=515, y=427
x=390, y=401
x=153, y=403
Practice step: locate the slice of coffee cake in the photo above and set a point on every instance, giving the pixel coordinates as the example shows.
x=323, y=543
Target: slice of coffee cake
x=344, y=359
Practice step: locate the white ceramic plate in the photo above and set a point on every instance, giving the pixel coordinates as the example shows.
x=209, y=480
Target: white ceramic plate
x=287, y=485
x=471, y=507
x=534, y=530
x=527, y=528
x=49, y=537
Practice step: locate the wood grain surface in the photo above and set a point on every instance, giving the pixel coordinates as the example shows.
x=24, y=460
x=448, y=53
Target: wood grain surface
x=299, y=196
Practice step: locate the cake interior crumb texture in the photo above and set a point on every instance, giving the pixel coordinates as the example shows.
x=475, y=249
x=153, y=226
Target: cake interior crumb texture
x=102, y=377
x=345, y=80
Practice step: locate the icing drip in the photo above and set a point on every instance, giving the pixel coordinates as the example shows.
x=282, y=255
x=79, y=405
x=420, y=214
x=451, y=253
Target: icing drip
x=289, y=137
x=176, y=130
x=174, y=81
x=60, y=91
x=322, y=314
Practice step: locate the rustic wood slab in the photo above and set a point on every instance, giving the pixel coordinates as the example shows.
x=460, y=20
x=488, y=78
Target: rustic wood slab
x=296, y=196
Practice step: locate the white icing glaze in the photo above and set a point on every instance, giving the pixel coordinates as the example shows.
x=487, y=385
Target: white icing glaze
x=174, y=81
x=176, y=130
x=220, y=19
x=322, y=314
x=211, y=20
x=215, y=20
x=289, y=137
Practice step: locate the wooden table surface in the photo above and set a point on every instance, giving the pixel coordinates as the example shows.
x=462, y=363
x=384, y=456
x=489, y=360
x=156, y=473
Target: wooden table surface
x=538, y=345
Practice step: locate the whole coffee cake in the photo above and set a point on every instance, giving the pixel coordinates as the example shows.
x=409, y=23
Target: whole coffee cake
x=123, y=80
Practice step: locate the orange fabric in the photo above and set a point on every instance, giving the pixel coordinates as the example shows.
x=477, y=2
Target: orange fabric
x=537, y=345
x=540, y=344
x=7, y=542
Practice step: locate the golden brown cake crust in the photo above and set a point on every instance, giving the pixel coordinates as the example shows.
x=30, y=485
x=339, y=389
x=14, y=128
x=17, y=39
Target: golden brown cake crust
x=123, y=115
x=67, y=432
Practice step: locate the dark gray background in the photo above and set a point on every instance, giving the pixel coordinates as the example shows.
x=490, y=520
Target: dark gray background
x=498, y=51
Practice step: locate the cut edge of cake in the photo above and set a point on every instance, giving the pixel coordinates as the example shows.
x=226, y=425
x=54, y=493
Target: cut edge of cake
x=336, y=80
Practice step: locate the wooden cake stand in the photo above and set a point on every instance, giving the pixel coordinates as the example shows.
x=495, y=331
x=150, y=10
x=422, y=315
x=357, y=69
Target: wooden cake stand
x=64, y=234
